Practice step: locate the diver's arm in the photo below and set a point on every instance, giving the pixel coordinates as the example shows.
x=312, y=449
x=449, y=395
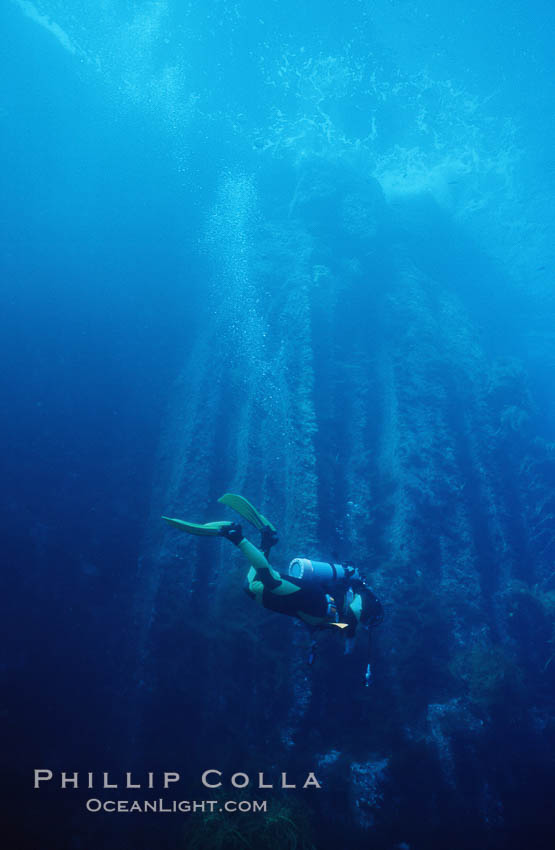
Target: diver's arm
x=349, y=645
x=350, y=631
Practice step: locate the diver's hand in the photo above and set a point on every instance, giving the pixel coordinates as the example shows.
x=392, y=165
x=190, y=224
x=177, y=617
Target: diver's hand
x=233, y=532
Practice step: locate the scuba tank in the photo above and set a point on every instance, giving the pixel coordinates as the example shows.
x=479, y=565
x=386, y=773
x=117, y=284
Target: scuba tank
x=317, y=571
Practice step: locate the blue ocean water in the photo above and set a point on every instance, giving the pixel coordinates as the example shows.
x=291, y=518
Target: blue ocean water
x=304, y=251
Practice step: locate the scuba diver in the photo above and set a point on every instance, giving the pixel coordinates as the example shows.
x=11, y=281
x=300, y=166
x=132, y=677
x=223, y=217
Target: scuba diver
x=322, y=595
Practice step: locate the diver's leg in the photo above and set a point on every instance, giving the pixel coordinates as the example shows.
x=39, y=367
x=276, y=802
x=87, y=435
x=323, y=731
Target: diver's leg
x=263, y=571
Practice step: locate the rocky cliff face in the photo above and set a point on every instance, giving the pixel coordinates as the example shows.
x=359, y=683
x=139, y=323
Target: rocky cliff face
x=354, y=380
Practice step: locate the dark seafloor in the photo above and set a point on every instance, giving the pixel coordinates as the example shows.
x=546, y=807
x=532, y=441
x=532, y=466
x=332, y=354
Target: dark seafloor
x=304, y=254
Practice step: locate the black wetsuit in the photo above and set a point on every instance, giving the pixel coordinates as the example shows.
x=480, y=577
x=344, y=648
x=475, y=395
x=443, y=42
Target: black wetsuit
x=297, y=597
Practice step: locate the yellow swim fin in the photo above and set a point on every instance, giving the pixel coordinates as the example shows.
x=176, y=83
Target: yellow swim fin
x=246, y=510
x=339, y=625
x=209, y=529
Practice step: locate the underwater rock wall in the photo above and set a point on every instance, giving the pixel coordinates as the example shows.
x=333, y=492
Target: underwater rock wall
x=242, y=420
x=345, y=386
